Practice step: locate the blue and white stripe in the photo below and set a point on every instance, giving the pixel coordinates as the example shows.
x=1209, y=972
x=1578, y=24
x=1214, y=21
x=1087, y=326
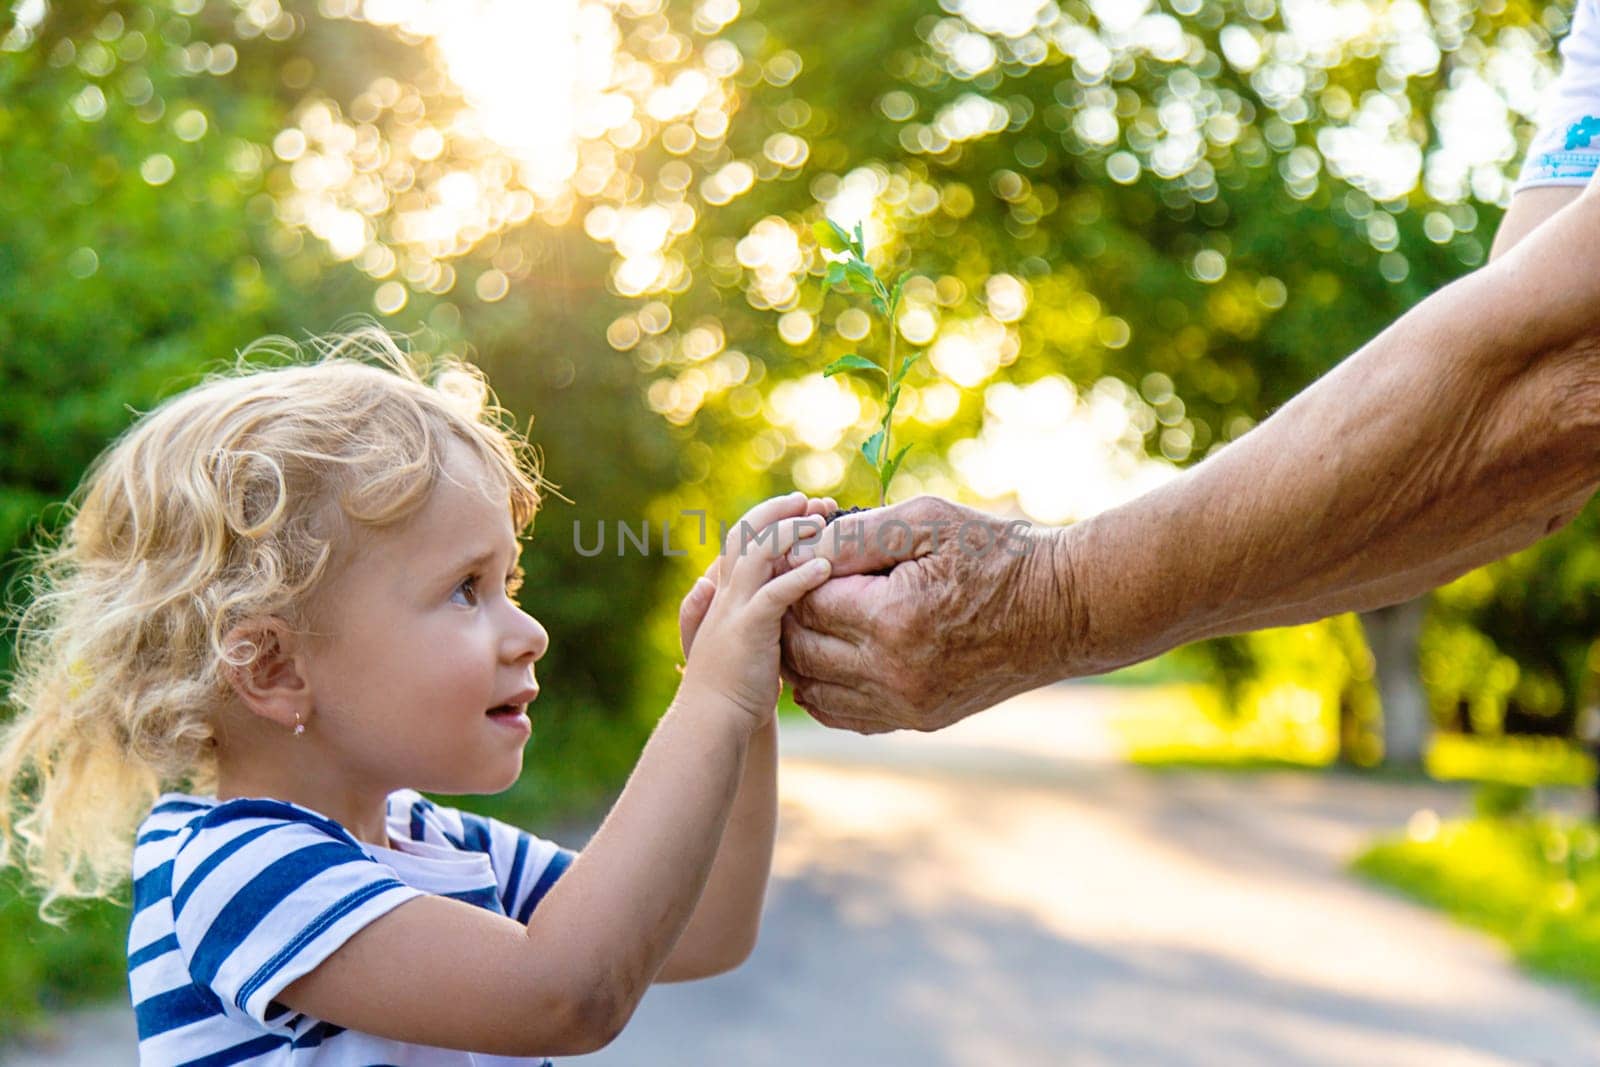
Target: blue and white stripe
x=233, y=901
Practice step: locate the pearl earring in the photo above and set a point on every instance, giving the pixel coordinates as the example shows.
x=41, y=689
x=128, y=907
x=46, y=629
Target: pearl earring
x=299, y=727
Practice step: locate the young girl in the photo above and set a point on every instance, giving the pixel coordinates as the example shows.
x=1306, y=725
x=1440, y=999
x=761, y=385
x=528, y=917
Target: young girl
x=289, y=591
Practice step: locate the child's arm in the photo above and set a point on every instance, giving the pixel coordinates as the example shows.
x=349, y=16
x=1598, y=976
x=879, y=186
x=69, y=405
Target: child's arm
x=440, y=972
x=723, y=930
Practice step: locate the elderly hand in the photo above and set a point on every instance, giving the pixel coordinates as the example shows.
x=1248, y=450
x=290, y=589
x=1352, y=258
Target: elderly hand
x=973, y=611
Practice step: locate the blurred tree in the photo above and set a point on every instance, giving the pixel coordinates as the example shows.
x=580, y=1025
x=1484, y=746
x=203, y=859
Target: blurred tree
x=1184, y=212
x=133, y=252
x=1517, y=639
x=1394, y=635
x=1211, y=202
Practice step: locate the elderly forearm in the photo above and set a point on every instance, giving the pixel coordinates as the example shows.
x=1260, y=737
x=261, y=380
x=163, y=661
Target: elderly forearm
x=1467, y=430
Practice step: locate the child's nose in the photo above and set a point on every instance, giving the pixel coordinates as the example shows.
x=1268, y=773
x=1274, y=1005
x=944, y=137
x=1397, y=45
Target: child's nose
x=527, y=639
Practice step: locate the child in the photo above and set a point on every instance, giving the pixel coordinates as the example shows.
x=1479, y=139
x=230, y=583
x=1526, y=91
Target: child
x=290, y=590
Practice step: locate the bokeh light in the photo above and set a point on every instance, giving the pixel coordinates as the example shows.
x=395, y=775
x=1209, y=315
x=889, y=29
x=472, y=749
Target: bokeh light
x=1058, y=455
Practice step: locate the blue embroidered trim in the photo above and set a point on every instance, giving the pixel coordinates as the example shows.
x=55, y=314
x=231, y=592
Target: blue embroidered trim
x=1581, y=134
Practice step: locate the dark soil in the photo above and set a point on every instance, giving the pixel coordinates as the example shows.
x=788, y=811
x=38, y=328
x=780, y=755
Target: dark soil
x=844, y=512
x=855, y=511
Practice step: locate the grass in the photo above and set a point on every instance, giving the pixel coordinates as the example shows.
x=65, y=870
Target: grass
x=1534, y=882
x=1182, y=726
x=45, y=968
x=1517, y=761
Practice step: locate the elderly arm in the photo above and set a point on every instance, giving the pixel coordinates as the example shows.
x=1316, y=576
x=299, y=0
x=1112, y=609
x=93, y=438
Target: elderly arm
x=1467, y=430
x=1529, y=210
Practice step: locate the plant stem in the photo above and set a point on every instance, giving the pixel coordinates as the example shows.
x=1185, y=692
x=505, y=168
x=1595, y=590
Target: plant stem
x=888, y=415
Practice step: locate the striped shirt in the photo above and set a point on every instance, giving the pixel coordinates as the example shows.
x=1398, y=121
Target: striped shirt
x=234, y=900
x=1566, y=148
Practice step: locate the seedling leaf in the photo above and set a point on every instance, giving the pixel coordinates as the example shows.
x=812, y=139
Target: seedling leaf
x=872, y=446
x=831, y=235
x=860, y=277
x=905, y=365
x=852, y=362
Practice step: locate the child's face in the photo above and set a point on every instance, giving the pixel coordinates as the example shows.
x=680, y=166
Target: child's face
x=421, y=642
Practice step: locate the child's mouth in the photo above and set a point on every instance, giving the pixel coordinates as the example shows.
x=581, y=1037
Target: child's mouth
x=511, y=717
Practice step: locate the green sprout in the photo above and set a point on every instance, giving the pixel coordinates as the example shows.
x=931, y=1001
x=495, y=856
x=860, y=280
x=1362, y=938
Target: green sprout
x=854, y=271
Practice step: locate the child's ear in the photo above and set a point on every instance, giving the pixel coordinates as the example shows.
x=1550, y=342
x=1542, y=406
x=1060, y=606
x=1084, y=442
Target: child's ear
x=272, y=682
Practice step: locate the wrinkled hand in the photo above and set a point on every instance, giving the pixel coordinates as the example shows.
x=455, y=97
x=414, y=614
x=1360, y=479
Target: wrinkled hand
x=973, y=612
x=729, y=621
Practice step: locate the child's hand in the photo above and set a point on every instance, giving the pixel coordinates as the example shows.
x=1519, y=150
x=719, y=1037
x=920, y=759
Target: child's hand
x=692, y=612
x=730, y=621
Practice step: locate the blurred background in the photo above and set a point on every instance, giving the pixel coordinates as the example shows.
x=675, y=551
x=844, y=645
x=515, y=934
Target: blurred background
x=1136, y=227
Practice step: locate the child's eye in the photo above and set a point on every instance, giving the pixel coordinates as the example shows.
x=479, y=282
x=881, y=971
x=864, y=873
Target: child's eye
x=467, y=592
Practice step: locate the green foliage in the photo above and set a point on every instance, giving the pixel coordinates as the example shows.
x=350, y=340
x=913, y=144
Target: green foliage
x=1511, y=648
x=1532, y=882
x=1286, y=725
x=1497, y=800
x=1272, y=698
x=1289, y=717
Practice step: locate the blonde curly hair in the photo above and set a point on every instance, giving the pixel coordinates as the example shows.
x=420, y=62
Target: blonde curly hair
x=227, y=502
